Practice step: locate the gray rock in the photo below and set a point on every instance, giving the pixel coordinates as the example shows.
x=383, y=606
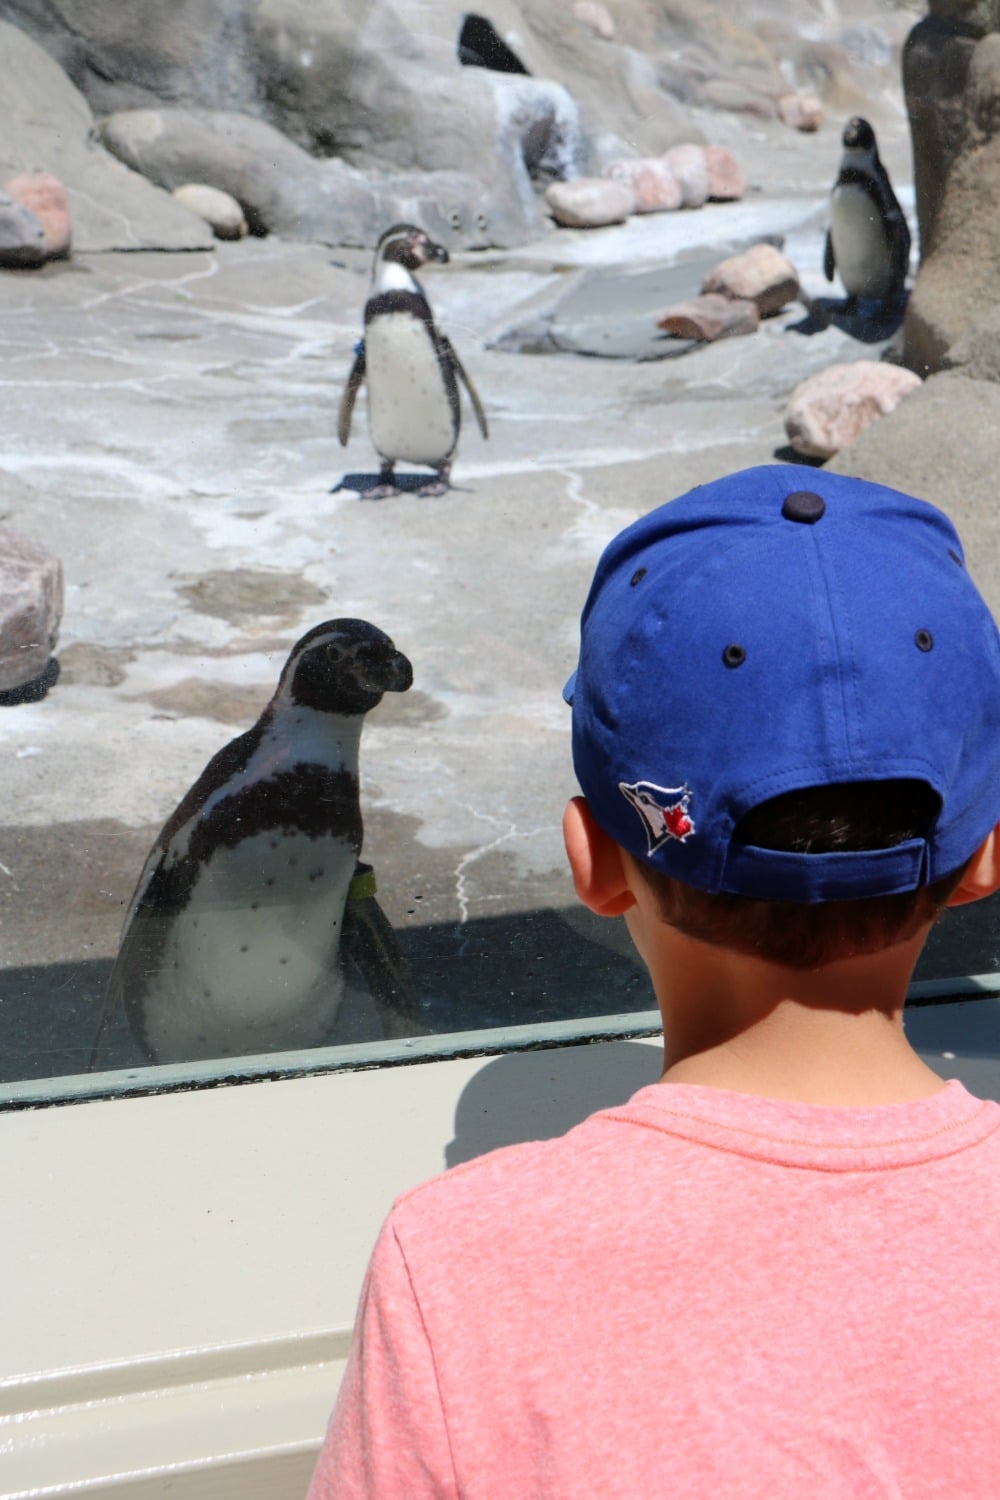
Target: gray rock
x=281, y=188
x=960, y=254
x=111, y=208
x=22, y=238
x=977, y=352
x=31, y=601
x=914, y=450
x=936, y=61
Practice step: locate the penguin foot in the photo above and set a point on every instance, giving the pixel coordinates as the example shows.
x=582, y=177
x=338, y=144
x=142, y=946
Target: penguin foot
x=382, y=492
x=440, y=484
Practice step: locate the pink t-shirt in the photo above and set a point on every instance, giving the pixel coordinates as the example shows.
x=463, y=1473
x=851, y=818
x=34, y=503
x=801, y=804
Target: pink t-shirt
x=699, y=1295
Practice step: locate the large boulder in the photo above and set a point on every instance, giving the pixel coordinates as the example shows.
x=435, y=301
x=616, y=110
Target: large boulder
x=952, y=81
x=280, y=187
x=283, y=190
x=48, y=124
x=915, y=449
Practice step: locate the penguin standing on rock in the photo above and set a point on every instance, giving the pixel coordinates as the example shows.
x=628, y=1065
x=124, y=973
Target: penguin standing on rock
x=868, y=241
x=251, y=897
x=411, y=369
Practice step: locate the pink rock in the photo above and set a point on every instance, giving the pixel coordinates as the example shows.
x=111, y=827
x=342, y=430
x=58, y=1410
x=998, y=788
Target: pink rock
x=31, y=601
x=761, y=274
x=589, y=202
x=710, y=317
x=689, y=166
x=597, y=17
x=653, y=184
x=22, y=238
x=725, y=177
x=46, y=197
x=829, y=410
x=801, y=111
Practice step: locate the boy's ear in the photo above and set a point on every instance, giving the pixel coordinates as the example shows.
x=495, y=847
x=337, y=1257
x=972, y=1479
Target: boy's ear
x=982, y=877
x=599, y=872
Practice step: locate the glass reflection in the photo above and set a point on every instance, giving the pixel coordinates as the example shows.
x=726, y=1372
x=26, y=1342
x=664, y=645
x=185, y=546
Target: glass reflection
x=170, y=431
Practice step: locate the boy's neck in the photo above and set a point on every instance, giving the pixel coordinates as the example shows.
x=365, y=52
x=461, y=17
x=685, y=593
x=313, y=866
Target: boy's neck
x=827, y=1036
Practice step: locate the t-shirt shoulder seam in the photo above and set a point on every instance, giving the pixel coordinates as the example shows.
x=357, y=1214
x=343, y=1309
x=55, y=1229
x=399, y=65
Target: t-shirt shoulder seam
x=761, y=1139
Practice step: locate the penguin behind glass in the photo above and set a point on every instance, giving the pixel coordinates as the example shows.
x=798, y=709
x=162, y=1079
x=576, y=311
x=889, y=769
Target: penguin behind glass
x=410, y=367
x=234, y=940
x=868, y=241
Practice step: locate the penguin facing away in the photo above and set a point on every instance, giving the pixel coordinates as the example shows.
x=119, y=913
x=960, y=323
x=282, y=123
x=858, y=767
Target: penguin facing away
x=410, y=367
x=234, y=940
x=868, y=241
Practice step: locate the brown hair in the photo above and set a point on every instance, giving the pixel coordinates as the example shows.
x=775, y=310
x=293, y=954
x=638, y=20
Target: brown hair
x=819, y=820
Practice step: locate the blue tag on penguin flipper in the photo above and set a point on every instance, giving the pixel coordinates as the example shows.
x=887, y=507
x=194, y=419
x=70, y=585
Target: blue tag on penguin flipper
x=359, y=347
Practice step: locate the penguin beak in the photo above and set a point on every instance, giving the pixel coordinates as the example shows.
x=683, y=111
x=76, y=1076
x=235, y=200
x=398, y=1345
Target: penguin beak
x=388, y=673
x=436, y=252
x=399, y=674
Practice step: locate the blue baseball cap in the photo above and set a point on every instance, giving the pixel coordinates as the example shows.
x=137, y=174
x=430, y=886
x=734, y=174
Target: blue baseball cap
x=778, y=629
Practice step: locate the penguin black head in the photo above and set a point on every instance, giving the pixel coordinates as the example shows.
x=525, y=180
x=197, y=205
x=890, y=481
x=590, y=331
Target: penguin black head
x=858, y=135
x=343, y=667
x=410, y=246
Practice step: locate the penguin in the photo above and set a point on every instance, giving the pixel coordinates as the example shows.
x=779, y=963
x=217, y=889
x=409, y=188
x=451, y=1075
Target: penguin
x=234, y=940
x=410, y=367
x=868, y=240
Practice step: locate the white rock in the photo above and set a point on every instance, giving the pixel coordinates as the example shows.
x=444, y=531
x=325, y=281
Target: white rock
x=653, y=184
x=219, y=210
x=829, y=410
x=595, y=16
x=589, y=202
x=802, y=111
x=689, y=166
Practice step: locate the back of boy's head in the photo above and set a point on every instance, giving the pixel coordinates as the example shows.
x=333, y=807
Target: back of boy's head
x=787, y=709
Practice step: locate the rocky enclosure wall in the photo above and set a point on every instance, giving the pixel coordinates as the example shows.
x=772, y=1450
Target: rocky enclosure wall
x=364, y=97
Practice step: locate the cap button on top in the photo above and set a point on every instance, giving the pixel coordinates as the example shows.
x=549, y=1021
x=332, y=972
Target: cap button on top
x=804, y=506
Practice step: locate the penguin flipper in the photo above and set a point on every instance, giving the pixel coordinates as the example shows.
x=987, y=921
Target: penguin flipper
x=900, y=254
x=368, y=940
x=477, y=406
x=828, y=262
x=354, y=382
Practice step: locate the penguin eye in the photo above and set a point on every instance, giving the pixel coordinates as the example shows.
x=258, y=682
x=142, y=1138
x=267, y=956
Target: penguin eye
x=333, y=652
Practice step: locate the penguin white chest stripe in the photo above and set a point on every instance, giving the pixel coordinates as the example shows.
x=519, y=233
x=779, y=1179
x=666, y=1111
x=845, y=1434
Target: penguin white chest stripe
x=251, y=962
x=412, y=395
x=860, y=243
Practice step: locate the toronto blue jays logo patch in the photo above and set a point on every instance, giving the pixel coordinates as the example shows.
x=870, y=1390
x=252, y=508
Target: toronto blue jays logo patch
x=665, y=811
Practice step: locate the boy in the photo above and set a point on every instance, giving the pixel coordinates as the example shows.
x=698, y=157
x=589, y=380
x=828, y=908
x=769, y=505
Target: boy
x=773, y=1273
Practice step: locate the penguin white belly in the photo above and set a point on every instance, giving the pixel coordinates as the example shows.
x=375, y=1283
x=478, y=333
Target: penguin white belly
x=409, y=412
x=860, y=245
x=252, y=964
